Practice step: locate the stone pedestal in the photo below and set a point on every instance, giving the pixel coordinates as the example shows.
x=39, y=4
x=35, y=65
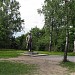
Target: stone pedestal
x=33, y=54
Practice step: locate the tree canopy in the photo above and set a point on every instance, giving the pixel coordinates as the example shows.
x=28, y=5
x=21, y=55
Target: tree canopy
x=10, y=21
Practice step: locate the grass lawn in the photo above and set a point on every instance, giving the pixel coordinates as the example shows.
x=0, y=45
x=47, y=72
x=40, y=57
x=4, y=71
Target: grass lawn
x=69, y=65
x=7, y=53
x=12, y=68
x=10, y=53
x=56, y=53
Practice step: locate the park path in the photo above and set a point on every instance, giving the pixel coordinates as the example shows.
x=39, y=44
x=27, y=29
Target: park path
x=47, y=65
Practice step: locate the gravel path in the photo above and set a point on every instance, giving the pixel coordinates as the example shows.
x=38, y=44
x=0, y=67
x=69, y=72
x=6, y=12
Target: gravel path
x=48, y=65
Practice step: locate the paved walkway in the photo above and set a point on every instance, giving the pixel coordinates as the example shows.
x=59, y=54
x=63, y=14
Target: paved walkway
x=57, y=58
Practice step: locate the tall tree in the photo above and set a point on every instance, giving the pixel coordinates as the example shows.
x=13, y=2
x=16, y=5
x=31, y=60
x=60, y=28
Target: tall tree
x=72, y=7
x=10, y=19
x=59, y=18
x=69, y=11
x=52, y=12
x=67, y=30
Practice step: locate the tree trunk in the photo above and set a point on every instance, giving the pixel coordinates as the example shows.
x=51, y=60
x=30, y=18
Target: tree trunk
x=50, y=45
x=74, y=46
x=66, y=46
x=74, y=39
x=67, y=34
x=51, y=30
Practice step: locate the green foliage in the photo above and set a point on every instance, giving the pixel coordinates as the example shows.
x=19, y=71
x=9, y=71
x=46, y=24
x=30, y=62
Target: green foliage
x=10, y=21
x=21, y=42
x=59, y=18
x=39, y=40
x=43, y=43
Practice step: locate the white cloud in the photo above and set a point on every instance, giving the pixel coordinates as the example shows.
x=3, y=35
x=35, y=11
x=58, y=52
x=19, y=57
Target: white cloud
x=29, y=13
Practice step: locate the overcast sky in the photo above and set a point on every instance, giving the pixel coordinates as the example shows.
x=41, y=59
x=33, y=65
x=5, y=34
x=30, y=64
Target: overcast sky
x=29, y=13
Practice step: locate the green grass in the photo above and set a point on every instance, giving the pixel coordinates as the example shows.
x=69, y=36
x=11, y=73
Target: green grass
x=12, y=68
x=69, y=65
x=50, y=53
x=56, y=53
x=71, y=54
x=10, y=53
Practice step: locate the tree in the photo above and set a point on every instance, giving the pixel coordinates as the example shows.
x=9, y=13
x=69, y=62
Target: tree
x=59, y=18
x=69, y=8
x=52, y=12
x=35, y=37
x=10, y=20
x=72, y=7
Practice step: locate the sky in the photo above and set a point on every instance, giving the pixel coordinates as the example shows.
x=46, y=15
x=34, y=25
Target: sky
x=30, y=15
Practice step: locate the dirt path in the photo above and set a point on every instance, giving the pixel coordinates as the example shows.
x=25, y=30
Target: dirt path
x=46, y=66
